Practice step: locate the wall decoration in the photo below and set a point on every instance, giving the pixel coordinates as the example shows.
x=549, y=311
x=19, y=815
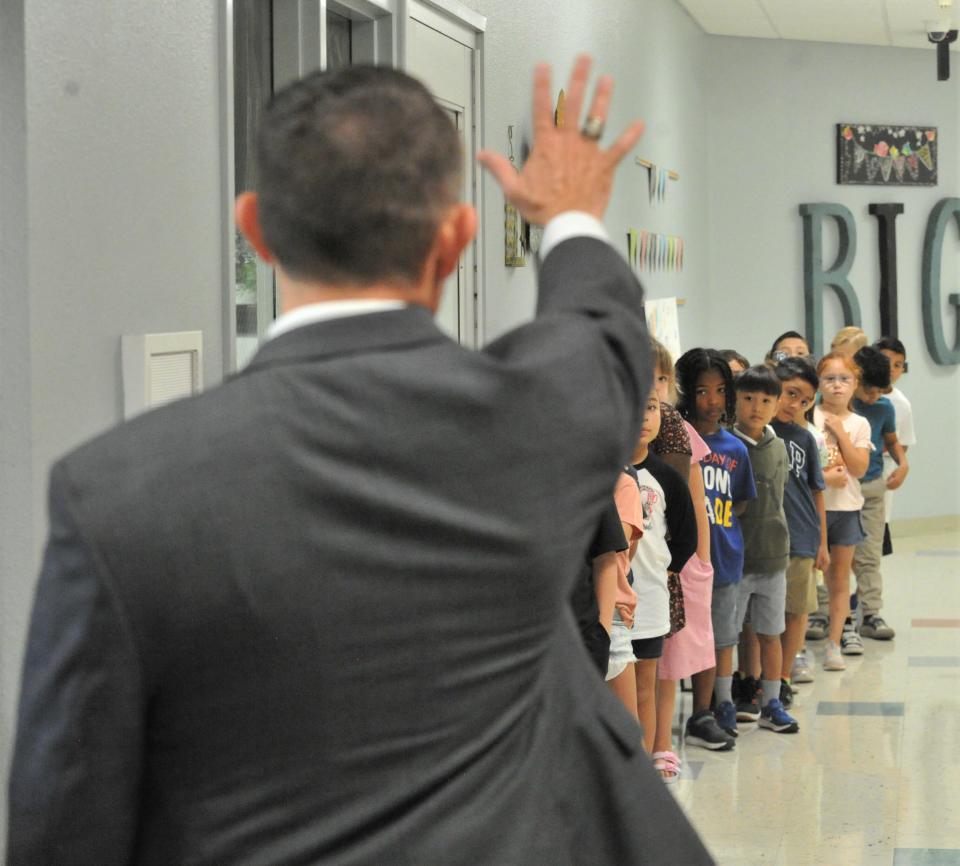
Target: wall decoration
x=663, y=323
x=886, y=155
x=648, y=251
x=513, y=224
x=657, y=178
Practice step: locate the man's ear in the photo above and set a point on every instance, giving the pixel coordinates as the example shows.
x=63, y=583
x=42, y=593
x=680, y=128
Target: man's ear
x=457, y=229
x=246, y=211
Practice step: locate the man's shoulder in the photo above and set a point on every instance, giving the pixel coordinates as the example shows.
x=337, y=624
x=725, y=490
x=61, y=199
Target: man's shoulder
x=181, y=434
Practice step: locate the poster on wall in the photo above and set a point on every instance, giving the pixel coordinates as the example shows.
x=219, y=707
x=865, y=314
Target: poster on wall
x=886, y=155
x=663, y=323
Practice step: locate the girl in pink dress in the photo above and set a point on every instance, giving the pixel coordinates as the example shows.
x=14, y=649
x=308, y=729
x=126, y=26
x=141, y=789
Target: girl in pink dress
x=691, y=649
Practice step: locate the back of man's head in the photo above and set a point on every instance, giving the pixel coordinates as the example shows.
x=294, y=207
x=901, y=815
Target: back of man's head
x=354, y=170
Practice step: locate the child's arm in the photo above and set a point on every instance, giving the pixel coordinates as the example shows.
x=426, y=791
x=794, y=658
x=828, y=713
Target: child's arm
x=605, y=570
x=856, y=459
x=739, y=508
x=698, y=498
x=682, y=534
x=899, y=455
x=823, y=555
x=835, y=476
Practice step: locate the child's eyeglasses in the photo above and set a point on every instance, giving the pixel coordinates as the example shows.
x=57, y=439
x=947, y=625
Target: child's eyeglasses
x=843, y=380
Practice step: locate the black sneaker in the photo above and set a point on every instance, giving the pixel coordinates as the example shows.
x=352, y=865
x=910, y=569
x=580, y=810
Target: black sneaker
x=703, y=730
x=748, y=700
x=786, y=694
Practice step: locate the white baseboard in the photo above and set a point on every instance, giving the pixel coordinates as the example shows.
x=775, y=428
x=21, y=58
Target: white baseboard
x=926, y=526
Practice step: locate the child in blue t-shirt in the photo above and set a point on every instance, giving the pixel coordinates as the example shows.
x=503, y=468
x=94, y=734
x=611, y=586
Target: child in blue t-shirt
x=879, y=411
x=708, y=401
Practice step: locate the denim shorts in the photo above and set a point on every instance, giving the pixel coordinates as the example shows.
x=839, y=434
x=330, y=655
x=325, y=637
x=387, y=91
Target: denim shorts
x=723, y=612
x=844, y=528
x=621, y=649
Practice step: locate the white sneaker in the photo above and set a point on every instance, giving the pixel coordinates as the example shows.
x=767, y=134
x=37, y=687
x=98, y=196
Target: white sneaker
x=832, y=660
x=800, y=672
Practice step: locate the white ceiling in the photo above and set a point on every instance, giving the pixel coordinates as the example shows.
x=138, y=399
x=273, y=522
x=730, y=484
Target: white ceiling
x=869, y=22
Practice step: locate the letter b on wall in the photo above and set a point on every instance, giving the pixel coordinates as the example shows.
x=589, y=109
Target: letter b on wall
x=816, y=278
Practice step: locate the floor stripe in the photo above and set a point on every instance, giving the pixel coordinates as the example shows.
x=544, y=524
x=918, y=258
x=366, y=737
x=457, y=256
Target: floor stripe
x=935, y=623
x=933, y=662
x=859, y=708
x=926, y=857
x=938, y=553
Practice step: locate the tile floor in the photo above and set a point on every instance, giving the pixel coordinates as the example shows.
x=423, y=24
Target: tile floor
x=873, y=776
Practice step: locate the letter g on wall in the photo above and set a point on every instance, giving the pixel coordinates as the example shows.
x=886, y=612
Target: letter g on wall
x=930, y=282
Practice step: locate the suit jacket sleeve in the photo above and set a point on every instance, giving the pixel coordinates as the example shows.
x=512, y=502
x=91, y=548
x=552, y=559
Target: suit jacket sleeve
x=76, y=766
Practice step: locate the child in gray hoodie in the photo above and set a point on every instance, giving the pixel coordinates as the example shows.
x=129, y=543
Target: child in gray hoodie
x=766, y=538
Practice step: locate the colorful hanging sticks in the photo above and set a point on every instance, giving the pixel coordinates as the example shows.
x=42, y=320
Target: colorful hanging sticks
x=648, y=251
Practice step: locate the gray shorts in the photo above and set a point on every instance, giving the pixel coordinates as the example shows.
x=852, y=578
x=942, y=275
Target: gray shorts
x=723, y=612
x=764, y=598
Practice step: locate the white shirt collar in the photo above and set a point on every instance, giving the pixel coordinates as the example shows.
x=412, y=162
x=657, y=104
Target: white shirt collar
x=323, y=311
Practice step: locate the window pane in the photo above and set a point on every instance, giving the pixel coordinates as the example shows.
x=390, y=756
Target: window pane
x=253, y=85
x=339, y=48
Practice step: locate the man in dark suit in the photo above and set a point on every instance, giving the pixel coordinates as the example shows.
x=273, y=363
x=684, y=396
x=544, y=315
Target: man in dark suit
x=319, y=614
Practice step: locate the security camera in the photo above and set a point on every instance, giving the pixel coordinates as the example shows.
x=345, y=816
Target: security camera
x=937, y=28
x=941, y=35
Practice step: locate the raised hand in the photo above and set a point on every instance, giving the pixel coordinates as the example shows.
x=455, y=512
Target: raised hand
x=566, y=169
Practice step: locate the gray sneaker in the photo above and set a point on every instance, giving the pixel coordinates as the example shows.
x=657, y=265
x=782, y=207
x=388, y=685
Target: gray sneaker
x=832, y=660
x=850, y=643
x=875, y=627
x=817, y=627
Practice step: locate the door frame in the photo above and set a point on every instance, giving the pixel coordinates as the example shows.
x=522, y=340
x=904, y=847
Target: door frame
x=462, y=24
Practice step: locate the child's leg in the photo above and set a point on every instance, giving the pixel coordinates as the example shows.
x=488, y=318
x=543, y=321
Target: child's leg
x=771, y=662
x=725, y=664
x=800, y=599
x=666, y=704
x=838, y=584
x=791, y=641
x=748, y=652
x=645, y=671
x=703, y=683
x=624, y=686
x=868, y=553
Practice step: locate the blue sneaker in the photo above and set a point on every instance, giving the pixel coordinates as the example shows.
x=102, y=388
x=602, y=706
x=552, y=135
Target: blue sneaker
x=726, y=714
x=777, y=719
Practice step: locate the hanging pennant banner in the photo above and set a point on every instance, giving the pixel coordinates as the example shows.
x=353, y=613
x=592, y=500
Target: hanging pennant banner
x=886, y=155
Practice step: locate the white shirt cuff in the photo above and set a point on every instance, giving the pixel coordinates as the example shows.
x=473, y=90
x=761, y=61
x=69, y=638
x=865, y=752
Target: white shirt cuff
x=570, y=224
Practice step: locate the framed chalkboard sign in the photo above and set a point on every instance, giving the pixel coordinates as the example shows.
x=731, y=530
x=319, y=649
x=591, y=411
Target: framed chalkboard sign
x=886, y=155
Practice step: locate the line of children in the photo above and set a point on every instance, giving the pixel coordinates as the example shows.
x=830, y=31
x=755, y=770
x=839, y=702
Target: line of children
x=758, y=491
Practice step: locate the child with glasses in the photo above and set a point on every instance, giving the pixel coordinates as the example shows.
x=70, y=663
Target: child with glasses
x=848, y=441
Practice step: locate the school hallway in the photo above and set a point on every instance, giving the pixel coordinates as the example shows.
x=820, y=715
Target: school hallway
x=873, y=776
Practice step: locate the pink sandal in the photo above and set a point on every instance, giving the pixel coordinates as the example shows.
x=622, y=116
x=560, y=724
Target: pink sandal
x=667, y=763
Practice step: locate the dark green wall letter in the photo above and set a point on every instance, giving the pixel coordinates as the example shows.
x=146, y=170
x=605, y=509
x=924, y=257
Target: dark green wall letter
x=930, y=277
x=815, y=278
